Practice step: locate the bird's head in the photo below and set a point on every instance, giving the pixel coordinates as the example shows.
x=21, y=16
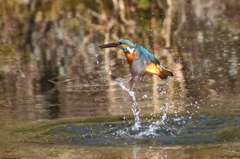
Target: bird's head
x=125, y=45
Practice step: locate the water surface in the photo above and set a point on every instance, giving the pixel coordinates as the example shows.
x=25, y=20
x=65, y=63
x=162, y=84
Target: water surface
x=63, y=97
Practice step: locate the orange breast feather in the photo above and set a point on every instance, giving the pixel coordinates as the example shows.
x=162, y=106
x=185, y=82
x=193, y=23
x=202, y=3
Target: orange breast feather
x=129, y=57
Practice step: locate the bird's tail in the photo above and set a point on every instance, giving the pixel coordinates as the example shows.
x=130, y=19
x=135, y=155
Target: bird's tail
x=164, y=74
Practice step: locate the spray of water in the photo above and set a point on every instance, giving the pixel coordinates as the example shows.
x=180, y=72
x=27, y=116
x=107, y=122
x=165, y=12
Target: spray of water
x=135, y=108
x=141, y=129
x=136, y=150
x=156, y=124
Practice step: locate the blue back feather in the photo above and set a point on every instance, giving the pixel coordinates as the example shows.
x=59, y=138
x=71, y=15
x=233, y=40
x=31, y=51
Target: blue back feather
x=147, y=54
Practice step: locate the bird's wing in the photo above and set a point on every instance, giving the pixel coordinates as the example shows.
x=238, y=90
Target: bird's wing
x=142, y=58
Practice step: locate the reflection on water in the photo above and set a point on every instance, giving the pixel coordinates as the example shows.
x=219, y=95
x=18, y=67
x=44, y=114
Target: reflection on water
x=55, y=55
x=51, y=68
x=214, y=77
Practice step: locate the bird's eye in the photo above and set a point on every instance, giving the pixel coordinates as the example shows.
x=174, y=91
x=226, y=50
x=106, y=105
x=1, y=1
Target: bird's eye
x=119, y=43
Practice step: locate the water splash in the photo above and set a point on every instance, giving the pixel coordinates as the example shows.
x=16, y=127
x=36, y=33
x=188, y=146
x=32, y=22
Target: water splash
x=136, y=150
x=135, y=108
x=157, y=124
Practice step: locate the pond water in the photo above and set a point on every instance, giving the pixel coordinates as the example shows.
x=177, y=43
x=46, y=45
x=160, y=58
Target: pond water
x=63, y=97
x=172, y=131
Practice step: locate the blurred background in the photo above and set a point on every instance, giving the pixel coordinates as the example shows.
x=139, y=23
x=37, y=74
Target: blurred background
x=51, y=67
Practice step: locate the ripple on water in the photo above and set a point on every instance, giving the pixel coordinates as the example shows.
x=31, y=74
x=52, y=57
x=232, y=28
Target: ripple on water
x=174, y=130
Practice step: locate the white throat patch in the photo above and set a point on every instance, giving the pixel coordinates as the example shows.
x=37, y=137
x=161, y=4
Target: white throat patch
x=131, y=50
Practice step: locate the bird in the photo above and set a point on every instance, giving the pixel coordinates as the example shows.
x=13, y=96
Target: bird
x=139, y=59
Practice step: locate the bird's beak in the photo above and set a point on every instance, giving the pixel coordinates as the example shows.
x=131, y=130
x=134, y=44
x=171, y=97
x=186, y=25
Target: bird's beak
x=109, y=45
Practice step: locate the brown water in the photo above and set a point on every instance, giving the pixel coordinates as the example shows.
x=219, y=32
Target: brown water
x=62, y=97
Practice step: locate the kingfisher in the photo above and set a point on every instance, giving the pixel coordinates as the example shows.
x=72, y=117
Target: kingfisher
x=139, y=59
